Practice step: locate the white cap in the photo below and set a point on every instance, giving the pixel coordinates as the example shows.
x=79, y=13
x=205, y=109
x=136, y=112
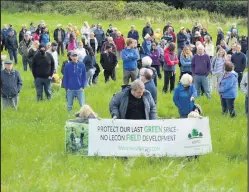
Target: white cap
x=146, y=61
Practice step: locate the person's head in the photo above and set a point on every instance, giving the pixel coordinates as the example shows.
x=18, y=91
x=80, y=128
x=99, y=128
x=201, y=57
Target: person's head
x=80, y=45
x=8, y=65
x=172, y=47
x=243, y=37
x=10, y=26
x=163, y=42
x=86, y=111
x=69, y=25
x=182, y=29
x=153, y=46
x=238, y=48
x=207, y=39
x=54, y=46
x=200, y=49
x=169, y=23
x=137, y=88
x=115, y=30
x=35, y=44
x=32, y=24
x=228, y=33
x=188, y=31
x=221, y=52
x=74, y=56
x=42, y=49
x=222, y=43
x=92, y=35
x=11, y=32
x=108, y=48
x=147, y=37
x=219, y=29
x=118, y=33
x=170, y=29
x=228, y=65
x=46, y=29
x=147, y=75
x=110, y=26
x=234, y=31
x=197, y=43
x=59, y=26
x=129, y=43
x=86, y=24
x=48, y=46
x=186, y=80
x=69, y=56
x=75, y=28
x=99, y=26
x=134, y=43
x=186, y=52
x=197, y=34
x=5, y=26
x=146, y=61
x=234, y=47
x=158, y=30
x=133, y=27
x=110, y=39
x=234, y=25
x=204, y=30
x=24, y=26
x=148, y=24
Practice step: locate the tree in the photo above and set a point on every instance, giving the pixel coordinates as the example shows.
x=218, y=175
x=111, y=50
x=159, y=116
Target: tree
x=200, y=134
x=194, y=132
x=189, y=136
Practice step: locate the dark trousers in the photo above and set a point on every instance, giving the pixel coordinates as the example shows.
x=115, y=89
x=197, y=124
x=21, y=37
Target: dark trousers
x=240, y=75
x=169, y=77
x=108, y=74
x=246, y=104
x=60, y=48
x=99, y=47
x=228, y=105
x=13, y=54
x=40, y=84
x=25, y=63
x=157, y=67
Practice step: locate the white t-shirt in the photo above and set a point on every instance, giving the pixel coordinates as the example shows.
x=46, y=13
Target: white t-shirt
x=56, y=59
x=81, y=54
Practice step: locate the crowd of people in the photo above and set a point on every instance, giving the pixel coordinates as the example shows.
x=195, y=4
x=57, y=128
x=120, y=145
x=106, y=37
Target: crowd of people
x=205, y=66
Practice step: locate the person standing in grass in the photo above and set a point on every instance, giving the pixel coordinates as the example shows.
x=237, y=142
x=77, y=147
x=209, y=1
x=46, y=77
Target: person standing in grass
x=93, y=42
x=120, y=44
x=169, y=67
x=146, y=63
x=53, y=52
x=133, y=33
x=244, y=89
x=186, y=59
x=12, y=46
x=22, y=32
x=147, y=45
x=147, y=30
x=11, y=85
x=156, y=59
x=218, y=62
x=239, y=61
x=71, y=45
x=100, y=36
x=220, y=36
x=209, y=46
x=228, y=89
x=74, y=81
x=59, y=37
x=133, y=103
x=32, y=29
x=184, y=96
x=201, y=68
x=32, y=52
x=129, y=57
x=181, y=41
x=44, y=38
x=108, y=61
x=24, y=47
x=81, y=52
x=89, y=62
x=158, y=35
x=85, y=30
x=43, y=69
x=4, y=33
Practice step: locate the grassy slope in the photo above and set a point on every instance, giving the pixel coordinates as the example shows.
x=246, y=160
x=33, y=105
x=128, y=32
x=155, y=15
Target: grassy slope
x=32, y=138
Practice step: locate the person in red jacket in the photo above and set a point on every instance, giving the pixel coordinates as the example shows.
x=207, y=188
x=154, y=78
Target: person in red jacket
x=169, y=67
x=120, y=44
x=171, y=31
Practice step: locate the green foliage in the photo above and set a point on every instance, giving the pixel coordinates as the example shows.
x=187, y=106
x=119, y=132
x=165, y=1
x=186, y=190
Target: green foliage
x=33, y=154
x=194, y=132
x=189, y=136
x=200, y=134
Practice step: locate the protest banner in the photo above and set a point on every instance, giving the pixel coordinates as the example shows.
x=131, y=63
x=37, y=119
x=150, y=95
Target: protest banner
x=76, y=138
x=169, y=137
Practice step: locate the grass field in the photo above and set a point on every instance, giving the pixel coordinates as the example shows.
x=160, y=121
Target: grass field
x=32, y=138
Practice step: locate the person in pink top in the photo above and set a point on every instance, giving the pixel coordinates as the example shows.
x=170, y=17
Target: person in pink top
x=120, y=44
x=37, y=35
x=71, y=43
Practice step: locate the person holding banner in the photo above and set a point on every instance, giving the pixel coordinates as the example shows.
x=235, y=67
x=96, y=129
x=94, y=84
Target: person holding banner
x=184, y=96
x=133, y=103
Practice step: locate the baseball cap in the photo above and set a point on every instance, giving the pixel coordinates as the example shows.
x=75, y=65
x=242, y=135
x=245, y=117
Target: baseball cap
x=74, y=53
x=8, y=62
x=54, y=44
x=182, y=28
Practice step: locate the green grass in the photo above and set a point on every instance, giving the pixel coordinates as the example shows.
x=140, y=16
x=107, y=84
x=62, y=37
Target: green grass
x=32, y=138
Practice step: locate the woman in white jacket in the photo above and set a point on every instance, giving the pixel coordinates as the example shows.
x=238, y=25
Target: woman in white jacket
x=85, y=30
x=209, y=46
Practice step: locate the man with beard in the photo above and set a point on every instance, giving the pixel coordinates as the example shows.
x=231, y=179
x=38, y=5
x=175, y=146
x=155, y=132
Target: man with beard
x=43, y=69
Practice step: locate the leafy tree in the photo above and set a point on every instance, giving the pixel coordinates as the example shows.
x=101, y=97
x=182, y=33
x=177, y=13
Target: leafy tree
x=189, y=136
x=200, y=134
x=194, y=132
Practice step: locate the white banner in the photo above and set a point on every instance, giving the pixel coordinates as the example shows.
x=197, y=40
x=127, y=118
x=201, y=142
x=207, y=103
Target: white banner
x=170, y=137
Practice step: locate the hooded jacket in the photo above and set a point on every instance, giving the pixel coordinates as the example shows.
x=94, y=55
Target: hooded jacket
x=228, y=88
x=24, y=47
x=11, y=83
x=171, y=60
x=182, y=97
x=129, y=57
x=155, y=56
x=108, y=62
x=11, y=42
x=119, y=103
x=120, y=43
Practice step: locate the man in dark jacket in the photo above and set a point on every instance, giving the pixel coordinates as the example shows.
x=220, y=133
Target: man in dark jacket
x=181, y=41
x=74, y=81
x=147, y=30
x=43, y=69
x=220, y=36
x=133, y=103
x=108, y=61
x=59, y=37
x=239, y=61
x=167, y=26
x=133, y=33
x=4, y=35
x=22, y=32
x=12, y=45
x=11, y=84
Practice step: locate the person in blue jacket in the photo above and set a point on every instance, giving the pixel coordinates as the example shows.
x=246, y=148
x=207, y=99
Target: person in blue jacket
x=147, y=45
x=228, y=89
x=184, y=96
x=44, y=39
x=133, y=33
x=186, y=59
x=74, y=80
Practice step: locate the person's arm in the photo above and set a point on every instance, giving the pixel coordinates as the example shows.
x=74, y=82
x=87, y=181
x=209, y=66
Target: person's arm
x=62, y=67
x=84, y=83
x=193, y=65
x=20, y=36
x=168, y=60
x=20, y=49
x=125, y=57
x=244, y=61
x=243, y=84
x=183, y=61
x=208, y=66
x=176, y=98
x=65, y=77
x=52, y=66
x=115, y=60
x=19, y=82
x=143, y=33
x=193, y=91
x=137, y=36
x=134, y=56
x=114, y=105
x=102, y=60
x=96, y=44
x=34, y=66
x=227, y=85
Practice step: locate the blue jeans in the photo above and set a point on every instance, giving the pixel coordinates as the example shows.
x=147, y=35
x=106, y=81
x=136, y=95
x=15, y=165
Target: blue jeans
x=70, y=97
x=201, y=80
x=25, y=63
x=13, y=54
x=246, y=104
x=41, y=83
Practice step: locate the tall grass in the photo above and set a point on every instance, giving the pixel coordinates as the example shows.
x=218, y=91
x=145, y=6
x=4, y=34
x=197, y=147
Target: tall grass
x=32, y=138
